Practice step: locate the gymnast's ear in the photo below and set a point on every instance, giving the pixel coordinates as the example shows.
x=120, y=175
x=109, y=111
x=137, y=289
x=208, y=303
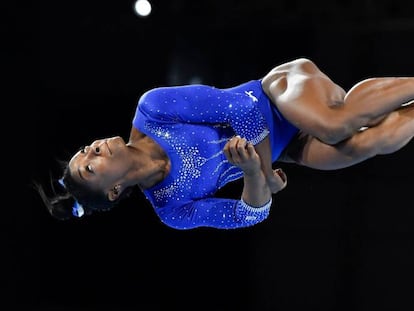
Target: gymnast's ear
x=114, y=193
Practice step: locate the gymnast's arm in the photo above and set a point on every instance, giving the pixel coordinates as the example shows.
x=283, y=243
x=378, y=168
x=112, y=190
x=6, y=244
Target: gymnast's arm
x=252, y=208
x=206, y=105
x=218, y=213
x=222, y=213
x=241, y=153
x=264, y=152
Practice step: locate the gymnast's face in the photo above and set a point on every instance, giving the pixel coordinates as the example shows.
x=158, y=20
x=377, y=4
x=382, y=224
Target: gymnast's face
x=101, y=164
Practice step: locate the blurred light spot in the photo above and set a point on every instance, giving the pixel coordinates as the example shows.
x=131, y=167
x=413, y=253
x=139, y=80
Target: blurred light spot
x=142, y=8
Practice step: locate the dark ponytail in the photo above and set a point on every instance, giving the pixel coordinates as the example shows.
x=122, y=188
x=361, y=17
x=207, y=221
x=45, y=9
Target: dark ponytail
x=66, y=193
x=57, y=202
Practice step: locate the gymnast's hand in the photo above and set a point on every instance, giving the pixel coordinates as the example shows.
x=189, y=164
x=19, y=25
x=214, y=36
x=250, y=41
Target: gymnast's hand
x=242, y=154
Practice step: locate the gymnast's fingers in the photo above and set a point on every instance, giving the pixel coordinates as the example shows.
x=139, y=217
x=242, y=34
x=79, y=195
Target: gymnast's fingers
x=229, y=149
x=241, y=149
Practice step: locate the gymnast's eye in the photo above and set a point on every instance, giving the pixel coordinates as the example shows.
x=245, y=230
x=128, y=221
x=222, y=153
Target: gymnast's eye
x=82, y=149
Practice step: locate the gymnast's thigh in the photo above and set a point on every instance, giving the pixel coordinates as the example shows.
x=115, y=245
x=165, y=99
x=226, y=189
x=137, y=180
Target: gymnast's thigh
x=307, y=98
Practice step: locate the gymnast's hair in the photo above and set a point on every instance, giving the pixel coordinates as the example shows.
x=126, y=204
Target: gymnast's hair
x=67, y=198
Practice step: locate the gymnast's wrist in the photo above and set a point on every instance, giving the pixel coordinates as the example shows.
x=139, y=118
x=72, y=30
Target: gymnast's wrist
x=257, y=197
x=256, y=173
x=251, y=206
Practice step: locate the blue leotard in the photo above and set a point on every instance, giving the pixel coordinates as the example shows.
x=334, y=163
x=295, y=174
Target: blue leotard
x=192, y=123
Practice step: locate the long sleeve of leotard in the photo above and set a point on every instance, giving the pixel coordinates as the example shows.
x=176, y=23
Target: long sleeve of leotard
x=206, y=104
x=213, y=212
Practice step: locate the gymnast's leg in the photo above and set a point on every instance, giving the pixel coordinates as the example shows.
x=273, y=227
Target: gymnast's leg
x=388, y=136
x=311, y=101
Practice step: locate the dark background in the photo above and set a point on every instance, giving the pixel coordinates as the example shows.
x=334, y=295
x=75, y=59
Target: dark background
x=340, y=240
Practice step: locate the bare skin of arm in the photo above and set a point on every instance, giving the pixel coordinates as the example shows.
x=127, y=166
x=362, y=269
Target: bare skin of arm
x=271, y=175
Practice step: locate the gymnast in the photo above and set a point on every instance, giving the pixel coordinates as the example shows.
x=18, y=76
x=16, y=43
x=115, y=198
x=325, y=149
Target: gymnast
x=188, y=141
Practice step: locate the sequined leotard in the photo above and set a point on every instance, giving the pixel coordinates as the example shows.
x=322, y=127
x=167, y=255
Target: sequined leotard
x=192, y=123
